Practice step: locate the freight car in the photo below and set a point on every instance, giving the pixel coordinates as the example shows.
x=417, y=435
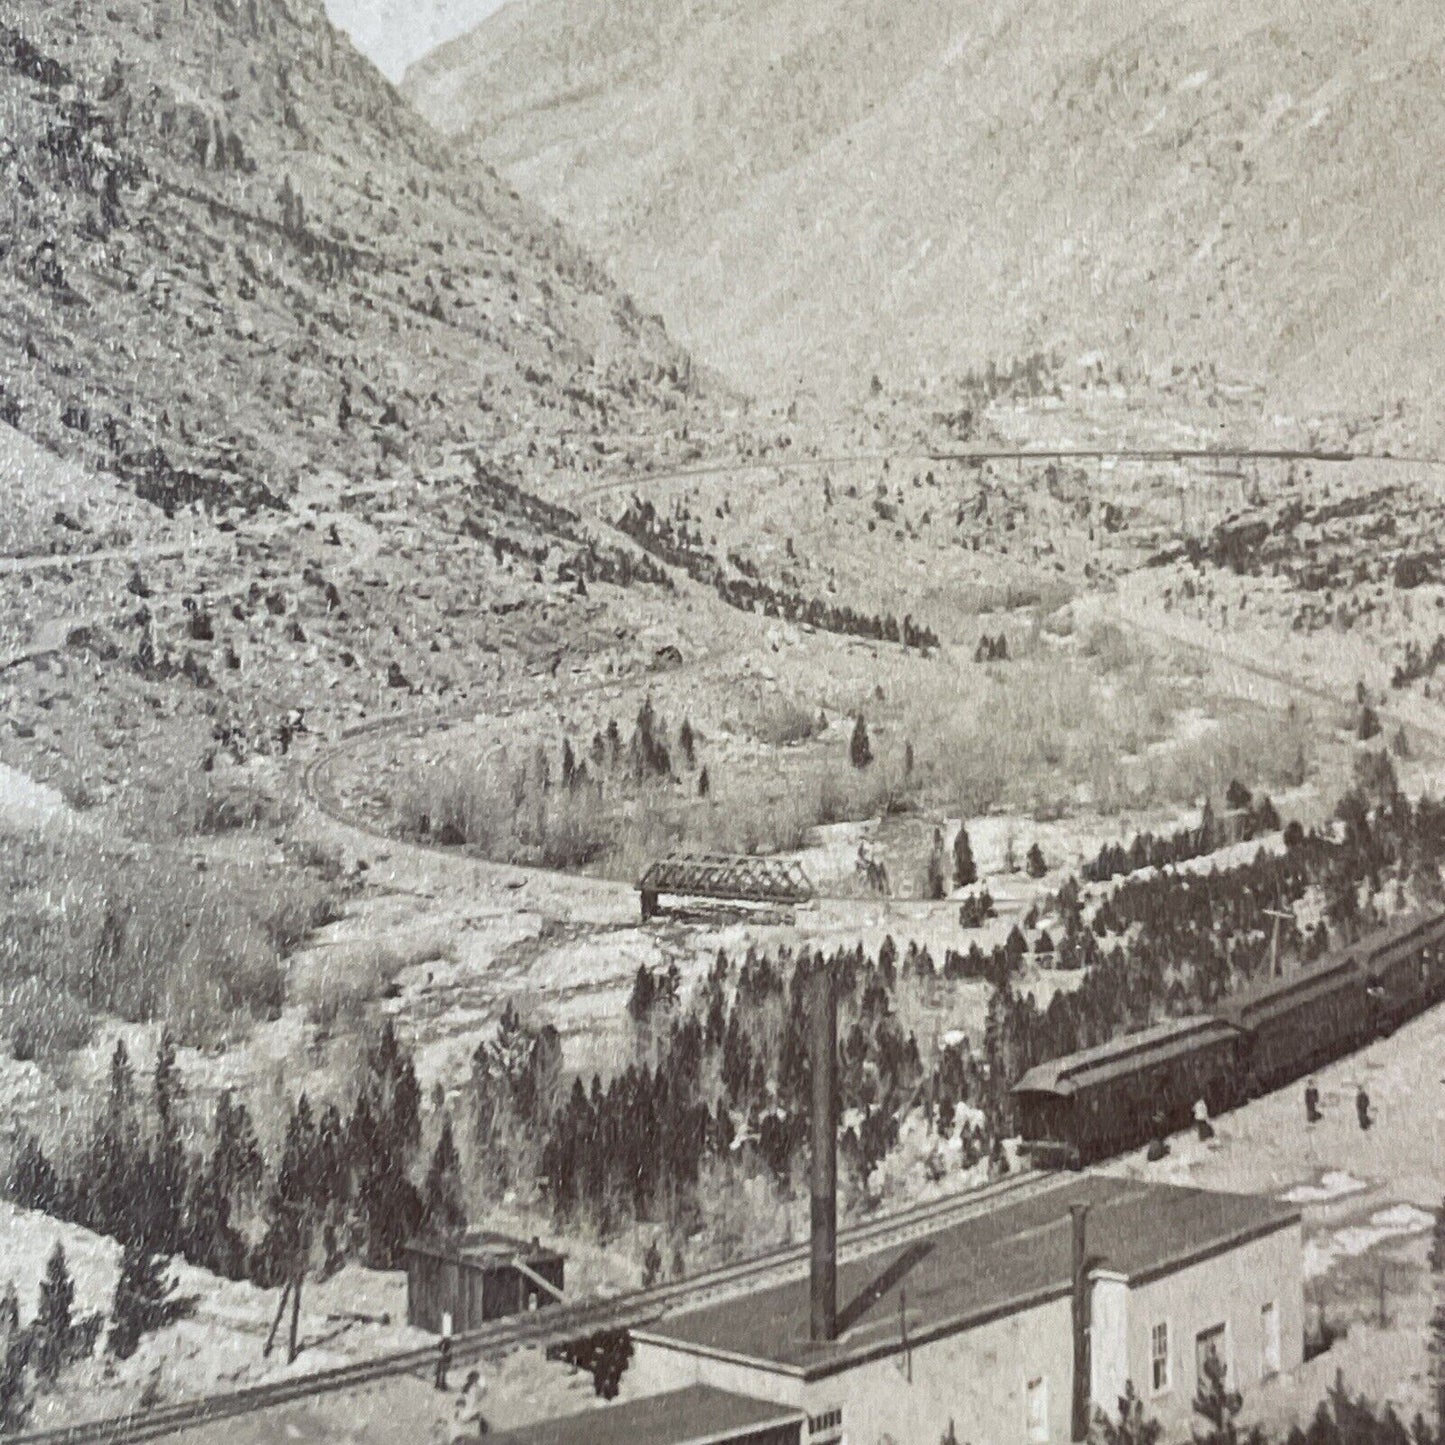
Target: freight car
x=1104, y=1100
x=1101, y=1101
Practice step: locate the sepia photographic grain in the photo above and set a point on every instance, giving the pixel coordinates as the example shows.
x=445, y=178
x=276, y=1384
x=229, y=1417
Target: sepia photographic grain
x=722, y=722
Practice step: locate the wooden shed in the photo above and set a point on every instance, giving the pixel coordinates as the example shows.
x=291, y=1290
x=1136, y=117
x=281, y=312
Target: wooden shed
x=479, y=1277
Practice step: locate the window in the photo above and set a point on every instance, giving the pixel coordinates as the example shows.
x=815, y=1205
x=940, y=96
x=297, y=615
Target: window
x=1159, y=1357
x=1269, y=1328
x=1036, y=1407
x=1206, y=1343
x=826, y=1428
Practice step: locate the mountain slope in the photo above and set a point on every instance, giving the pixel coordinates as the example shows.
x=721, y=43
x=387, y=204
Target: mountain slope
x=235, y=256
x=826, y=190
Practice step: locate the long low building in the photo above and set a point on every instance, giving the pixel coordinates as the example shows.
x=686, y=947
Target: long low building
x=1013, y=1325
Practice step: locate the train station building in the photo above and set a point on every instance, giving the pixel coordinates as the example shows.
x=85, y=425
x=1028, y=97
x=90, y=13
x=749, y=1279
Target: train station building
x=1015, y=1324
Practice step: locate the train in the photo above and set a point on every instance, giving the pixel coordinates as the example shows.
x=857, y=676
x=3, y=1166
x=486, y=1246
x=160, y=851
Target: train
x=1106, y=1100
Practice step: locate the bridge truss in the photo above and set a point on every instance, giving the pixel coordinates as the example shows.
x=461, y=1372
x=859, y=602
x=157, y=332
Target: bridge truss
x=731, y=877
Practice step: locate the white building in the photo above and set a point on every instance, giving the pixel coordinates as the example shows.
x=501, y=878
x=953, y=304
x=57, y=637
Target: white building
x=975, y=1324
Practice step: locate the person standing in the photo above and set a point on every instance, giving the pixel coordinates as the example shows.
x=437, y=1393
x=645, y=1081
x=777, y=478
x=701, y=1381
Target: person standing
x=1362, y=1107
x=1202, y=1126
x=1312, y=1103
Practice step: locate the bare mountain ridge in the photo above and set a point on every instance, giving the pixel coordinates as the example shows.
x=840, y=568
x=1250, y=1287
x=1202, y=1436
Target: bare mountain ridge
x=819, y=192
x=237, y=256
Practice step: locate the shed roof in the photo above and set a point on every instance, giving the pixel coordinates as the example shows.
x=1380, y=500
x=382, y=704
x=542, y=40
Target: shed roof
x=1154, y=1045
x=989, y=1266
x=1260, y=1002
x=485, y=1246
x=696, y=1415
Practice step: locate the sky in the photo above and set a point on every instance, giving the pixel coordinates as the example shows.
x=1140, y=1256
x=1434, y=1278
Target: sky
x=393, y=33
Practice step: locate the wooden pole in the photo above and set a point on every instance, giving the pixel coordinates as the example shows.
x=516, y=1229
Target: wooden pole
x=276, y=1323
x=295, y=1318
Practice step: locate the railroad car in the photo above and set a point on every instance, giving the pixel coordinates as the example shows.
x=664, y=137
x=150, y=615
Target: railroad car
x=1405, y=968
x=1290, y=1025
x=1104, y=1100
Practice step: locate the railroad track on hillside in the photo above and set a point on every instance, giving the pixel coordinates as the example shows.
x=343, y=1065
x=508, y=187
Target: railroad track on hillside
x=318, y=784
x=552, y=1325
x=980, y=455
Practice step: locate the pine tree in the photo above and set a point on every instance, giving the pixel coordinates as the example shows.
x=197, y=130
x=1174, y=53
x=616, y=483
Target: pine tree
x=860, y=750
x=1216, y=1403
x=1437, y=1319
x=964, y=871
x=443, y=1214
x=112, y=1175
x=704, y=784
x=386, y=1130
x=9, y=1311
x=165, y=1194
x=143, y=1300
x=687, y=741
x=1132, y=1427
x=15, y=1401
x=937, y=875
x=52, y=1331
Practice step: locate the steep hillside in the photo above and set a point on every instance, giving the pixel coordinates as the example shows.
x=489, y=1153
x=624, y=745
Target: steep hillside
x=234, y=257
x=829, y=190
x=277, y=381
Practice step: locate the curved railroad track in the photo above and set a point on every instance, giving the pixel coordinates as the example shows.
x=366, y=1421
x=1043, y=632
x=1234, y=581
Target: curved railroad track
x=320, y=789
x=552, y=1325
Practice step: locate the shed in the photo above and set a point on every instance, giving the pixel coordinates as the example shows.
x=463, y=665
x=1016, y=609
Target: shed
x=479, y=1277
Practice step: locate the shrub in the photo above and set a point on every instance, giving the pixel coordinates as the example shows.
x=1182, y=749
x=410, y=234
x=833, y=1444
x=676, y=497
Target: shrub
x=41, y=1021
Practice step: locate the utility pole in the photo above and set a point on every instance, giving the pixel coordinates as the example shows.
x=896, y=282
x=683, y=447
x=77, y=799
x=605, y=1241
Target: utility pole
x=1278, y=916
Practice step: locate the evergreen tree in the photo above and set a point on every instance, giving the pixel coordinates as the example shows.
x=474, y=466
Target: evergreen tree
x=53, y=1329
x=160, y=1224
x=386, y=1130
x=443, y=1214
x=964, y=870
x=1219, y=1405
x=112, y=1179
x=143, y=1300
x=704, y=784
x=1132, y=1427
x=15, y=1401
x=687, y=741
x=1034, y=862
x=1437, y=1319
x=291, y=1205
x=9, y=1311
x=937, y=871
x=860, y=750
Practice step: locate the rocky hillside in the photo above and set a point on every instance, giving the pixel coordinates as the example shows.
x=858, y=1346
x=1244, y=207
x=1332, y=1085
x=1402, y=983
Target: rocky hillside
x=832, y=189
x=277, y=383
x=235, y=257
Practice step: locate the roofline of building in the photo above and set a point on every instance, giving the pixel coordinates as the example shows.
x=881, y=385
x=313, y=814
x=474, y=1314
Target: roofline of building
x=847, y=1359
x=455, y=1254
x=1247, y=1234
x=788, y=1415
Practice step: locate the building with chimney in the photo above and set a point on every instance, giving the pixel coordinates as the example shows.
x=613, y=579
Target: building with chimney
x=1015, y=1323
